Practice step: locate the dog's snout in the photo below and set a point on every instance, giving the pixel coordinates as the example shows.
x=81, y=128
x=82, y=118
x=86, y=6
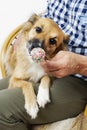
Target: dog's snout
x=34, y=44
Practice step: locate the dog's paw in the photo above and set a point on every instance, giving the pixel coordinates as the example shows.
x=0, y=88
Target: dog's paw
x=32, y=109
x=43, y=96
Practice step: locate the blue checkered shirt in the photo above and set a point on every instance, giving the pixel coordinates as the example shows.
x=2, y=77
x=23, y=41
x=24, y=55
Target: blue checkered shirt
x=71, y=16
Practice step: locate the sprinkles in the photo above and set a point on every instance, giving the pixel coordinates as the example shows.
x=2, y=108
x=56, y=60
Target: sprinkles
x=38, y=54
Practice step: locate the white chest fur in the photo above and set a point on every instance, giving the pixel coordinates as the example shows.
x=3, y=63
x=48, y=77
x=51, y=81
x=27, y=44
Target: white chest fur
x=36, y=72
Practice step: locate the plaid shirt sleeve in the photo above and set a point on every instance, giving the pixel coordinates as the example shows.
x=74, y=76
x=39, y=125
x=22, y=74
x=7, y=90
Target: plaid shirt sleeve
x=71, y=16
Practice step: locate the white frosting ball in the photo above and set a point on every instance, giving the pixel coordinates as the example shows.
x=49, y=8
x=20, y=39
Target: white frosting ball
x=38, y=54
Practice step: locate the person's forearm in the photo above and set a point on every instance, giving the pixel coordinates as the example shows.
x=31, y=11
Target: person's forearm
x=82, y=65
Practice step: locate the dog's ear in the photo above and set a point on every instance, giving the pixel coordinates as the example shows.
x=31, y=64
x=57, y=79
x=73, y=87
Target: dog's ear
x=65, y=42
x=66, y=39
x=33, y=18
x=31, y=21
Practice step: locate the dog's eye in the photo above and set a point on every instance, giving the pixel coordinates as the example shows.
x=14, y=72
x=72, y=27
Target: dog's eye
x=38, y=29
x=52, y=41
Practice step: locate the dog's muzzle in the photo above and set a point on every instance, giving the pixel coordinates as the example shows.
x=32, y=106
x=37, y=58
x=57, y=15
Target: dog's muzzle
x=35, y=43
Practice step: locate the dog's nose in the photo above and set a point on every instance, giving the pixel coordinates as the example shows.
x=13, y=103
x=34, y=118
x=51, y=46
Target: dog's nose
x=34, y=44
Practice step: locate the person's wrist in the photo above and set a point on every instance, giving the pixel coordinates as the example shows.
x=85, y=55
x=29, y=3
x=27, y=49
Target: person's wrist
x=82, y=64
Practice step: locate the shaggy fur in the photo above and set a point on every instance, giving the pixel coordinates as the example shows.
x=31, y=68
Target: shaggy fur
x=37, y=32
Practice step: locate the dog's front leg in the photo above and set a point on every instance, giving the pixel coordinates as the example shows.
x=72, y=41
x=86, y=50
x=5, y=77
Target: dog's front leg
x=31, y=105
x=43, y=93
x=30, y=101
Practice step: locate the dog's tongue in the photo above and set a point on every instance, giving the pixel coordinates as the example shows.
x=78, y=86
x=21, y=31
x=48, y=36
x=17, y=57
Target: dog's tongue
x=38, y=54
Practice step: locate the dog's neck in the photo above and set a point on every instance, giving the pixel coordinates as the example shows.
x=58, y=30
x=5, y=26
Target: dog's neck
x=36, y=72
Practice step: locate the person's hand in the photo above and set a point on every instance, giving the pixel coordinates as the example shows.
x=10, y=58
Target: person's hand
x=63, y=64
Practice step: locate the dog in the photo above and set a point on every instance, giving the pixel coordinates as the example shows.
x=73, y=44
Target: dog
x=36, y=32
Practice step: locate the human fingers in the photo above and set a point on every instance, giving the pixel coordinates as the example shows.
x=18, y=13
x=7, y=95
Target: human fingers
x=49, y=66
x=59, y=73
x=44, y=65
x=52, y=65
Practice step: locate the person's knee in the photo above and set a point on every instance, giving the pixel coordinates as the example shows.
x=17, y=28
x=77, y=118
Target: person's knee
x=5, y=109
x=11, y=116
x=4, y=83
x=11, y=101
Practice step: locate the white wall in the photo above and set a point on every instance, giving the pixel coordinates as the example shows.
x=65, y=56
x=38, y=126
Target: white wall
x=15, y=12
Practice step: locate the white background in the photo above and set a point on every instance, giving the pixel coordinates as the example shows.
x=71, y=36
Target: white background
x=15, y=12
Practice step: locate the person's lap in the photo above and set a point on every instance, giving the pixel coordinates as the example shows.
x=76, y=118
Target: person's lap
x=68, y=98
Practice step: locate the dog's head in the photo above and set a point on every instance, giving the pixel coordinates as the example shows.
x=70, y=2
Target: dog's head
x=46, y=34
x=36, y=32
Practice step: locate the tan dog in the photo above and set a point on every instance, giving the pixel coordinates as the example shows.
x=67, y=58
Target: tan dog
x=37, y=32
